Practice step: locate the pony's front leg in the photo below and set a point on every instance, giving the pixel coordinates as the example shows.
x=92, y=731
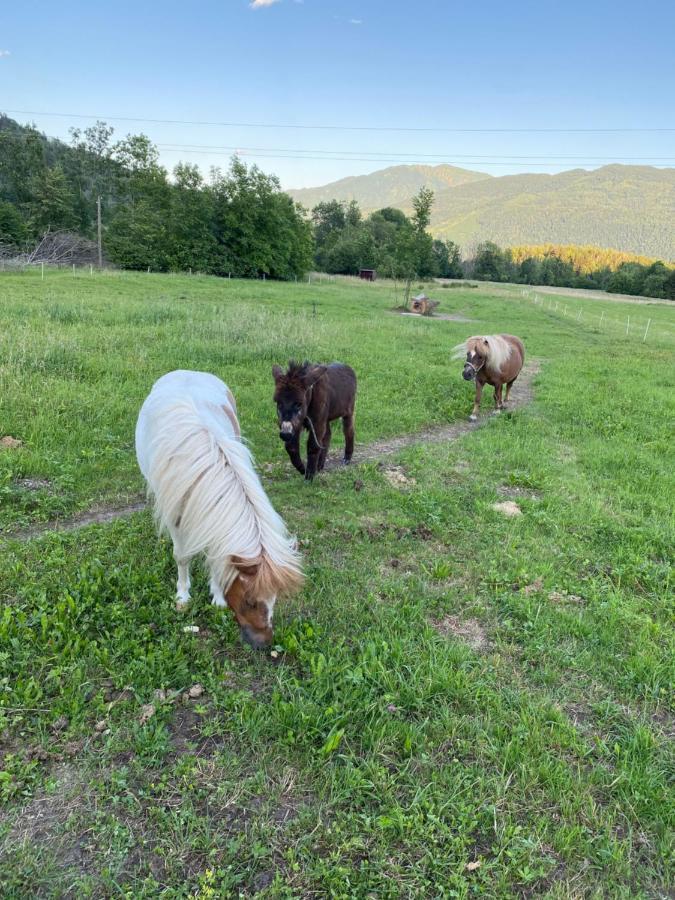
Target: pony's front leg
x=293, y=450
x=476, y=403
x=498, y=397
x=183, y=583
x=217, y=596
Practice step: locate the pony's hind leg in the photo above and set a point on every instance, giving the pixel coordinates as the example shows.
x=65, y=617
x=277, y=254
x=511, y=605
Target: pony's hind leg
x=348, y=430
x=508, y=391
x=326, y=445
x=498, y=398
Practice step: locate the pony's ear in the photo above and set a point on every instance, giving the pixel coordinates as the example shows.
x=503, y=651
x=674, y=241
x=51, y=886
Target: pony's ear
x=486, y=342
x=277, y=372
x=313, y=375
x=247, y=568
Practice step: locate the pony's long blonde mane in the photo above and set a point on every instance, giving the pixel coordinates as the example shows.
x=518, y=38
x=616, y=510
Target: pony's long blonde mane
x=499, y=350
x=208, y=495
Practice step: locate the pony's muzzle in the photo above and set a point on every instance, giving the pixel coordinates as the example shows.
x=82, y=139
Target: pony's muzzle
x=286, y=431
x=256, y=639
x=469, y=373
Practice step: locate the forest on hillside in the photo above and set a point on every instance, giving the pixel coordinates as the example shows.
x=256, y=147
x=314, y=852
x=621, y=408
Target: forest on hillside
x=240, y=222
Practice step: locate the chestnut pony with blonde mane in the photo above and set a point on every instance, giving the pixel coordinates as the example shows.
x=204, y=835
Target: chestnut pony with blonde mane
x=494, y=359
x=209, y=498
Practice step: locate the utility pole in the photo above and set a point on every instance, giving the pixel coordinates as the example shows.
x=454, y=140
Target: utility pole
x=98, y=224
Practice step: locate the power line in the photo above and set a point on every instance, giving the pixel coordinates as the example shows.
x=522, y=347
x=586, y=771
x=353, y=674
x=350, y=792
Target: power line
x=29, y=112
x=371, y=159
x=539, y=156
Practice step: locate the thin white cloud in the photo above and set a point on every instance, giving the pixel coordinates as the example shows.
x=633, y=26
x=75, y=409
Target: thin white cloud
x=5, y=53
x=356, y=21
x=258, y=4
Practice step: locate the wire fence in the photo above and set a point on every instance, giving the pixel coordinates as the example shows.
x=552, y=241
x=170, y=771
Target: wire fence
x=637, y=327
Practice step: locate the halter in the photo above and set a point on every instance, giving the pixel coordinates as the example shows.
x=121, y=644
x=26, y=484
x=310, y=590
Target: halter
x=476, y=370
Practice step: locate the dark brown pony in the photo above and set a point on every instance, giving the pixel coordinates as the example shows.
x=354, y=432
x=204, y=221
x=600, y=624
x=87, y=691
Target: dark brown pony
x=311, y=396
x=494, y=359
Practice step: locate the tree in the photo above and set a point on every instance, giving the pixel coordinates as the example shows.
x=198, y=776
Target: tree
x=52, y=204
x=490, y=263
x=13, y=231
x=447, y=259
x=191, y=240
x=414, y=252
x=258, y=228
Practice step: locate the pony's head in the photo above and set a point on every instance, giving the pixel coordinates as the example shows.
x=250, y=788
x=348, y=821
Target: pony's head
x=475, y=351
x=482, y=351
x=253, y=593
x=292, y=396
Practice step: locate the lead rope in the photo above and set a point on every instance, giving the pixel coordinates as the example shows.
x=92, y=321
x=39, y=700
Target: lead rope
x=307, y=418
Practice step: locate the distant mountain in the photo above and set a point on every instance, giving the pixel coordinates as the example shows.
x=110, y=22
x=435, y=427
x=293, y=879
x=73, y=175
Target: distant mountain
x=628, y=208
x=394, y=186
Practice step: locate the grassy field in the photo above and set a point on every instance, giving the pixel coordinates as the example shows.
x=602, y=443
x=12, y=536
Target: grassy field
x=461, y=704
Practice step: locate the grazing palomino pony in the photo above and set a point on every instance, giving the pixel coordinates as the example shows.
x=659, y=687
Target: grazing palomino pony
x=209, y=498
x=312, y=396
x=494, y=359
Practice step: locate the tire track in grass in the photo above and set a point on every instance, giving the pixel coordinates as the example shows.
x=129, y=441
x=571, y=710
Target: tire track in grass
x=521, y=395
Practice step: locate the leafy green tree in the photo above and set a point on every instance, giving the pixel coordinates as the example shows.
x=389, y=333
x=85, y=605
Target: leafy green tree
x=13, y=231
x=447, y=259
x=258, y=228
x=52, y=201
x=490, y=263
x=137, y=237
x=191, y=242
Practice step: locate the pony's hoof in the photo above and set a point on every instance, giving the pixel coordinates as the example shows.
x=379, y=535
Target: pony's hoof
x=473, y=418
x=345, y=461
x=182, y=603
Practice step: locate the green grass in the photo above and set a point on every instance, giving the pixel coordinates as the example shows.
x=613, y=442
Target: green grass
x=462, y=704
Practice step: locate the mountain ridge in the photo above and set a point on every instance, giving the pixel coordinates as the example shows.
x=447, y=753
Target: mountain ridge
x=630, y=208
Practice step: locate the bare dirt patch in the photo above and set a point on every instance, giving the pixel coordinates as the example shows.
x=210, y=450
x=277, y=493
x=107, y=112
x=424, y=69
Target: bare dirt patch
x=518, y=493
x=98, y=516
x=42, y=817
x=508, y=508
x=33, y=484
x=397, y=477
x=10, y=443
x=468, y=630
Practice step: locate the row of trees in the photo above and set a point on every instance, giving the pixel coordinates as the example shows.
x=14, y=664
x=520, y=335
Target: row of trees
x=240, y=222
x=396, y=245
x=492, y=263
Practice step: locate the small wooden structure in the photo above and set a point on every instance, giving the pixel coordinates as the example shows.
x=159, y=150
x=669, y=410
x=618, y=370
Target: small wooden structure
x=367, y=274
x=423, y=305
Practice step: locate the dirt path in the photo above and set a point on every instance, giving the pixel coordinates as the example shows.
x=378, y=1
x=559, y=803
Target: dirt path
x=521, y=395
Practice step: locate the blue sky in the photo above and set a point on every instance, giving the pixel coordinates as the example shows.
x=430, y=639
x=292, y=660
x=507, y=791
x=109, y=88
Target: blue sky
x=367, y=64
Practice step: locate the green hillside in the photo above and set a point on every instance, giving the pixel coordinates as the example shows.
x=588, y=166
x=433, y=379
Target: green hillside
x=629, y=208
x=393, y=186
